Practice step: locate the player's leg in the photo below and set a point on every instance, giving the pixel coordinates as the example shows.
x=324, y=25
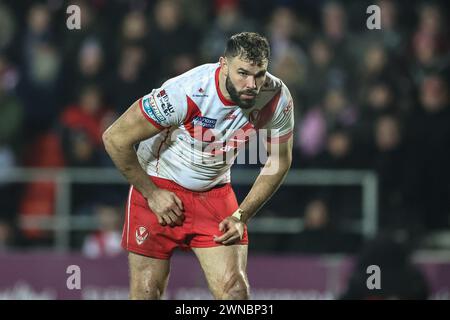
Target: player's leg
x=148, y=277
x=150, y=246
x=225, y=270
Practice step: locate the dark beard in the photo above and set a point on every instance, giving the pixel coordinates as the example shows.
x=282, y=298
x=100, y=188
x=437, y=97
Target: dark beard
x=235, y=96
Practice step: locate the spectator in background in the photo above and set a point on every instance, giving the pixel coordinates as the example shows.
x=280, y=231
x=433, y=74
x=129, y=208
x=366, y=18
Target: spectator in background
x=291, y=68
x=389, y=163
x=339, y=110
x=171, y=38
x=334, y=22
x=289, y=59
x=41, y=73
x=338, y=153
x=324, y=71
x=431, y=22
x=11, y=126
x=335, y=112
x=134, y=69
x=315, y=237
x=283, y=32
x=134, y=29
x=38, y=30
x=378, y=98
x=106, y=241
x=382, y=89
x=378, y=64
x=320, y=235
x=81, y=128
x=341, y=153
x=375, y=63
x=89, y=51
x=90, y=68
x=428, y=155
x=430, y=43
x=129, y=79
x=427, y=58
x=336, y=33
x=228, y=20
x=92, y=27
x=134, y=33
x=11, y=109
x=392, y=37
x=32, y=122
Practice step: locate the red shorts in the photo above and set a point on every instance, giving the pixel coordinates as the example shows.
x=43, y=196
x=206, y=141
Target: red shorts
x=203, y=212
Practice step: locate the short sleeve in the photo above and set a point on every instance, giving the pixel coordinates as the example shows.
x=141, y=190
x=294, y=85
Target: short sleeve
x=166, y=106
x=281, y=126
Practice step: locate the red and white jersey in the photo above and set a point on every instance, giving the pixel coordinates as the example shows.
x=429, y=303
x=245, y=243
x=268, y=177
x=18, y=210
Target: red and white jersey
x=202, y=130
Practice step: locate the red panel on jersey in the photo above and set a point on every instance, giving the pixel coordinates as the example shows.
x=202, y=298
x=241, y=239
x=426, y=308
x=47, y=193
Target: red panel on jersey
x=267, y=112
x=192, y=112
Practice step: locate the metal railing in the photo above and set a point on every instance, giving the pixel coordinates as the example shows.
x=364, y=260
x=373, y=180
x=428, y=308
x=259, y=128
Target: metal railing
x=62, y=222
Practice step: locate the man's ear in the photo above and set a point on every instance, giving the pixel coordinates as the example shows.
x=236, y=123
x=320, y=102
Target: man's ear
x=224, y=65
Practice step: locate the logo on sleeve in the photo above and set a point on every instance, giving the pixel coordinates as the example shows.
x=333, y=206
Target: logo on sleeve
x=204, y=122
x=141, y=235
x=151, y=109
x=165, y=104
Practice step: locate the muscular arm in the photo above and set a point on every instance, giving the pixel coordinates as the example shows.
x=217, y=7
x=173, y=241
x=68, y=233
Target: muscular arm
x=269, y=180
x=119, y=140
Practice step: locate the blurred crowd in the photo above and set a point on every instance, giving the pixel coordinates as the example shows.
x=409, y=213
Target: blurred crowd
x=364, y=99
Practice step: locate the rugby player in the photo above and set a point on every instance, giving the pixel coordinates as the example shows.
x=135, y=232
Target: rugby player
x=180, y=194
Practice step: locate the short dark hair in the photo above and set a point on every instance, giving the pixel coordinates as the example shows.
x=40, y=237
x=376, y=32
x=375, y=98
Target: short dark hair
x=250, y=46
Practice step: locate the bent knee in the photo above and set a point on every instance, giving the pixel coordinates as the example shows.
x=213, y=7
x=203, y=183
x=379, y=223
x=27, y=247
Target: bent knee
x=146, y=290
x=236, y=287
x=146, y=285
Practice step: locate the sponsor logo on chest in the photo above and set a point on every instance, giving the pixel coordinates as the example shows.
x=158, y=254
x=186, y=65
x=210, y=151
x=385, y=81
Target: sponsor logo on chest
x=200, y=93
x=204, y=122
x=164, y=102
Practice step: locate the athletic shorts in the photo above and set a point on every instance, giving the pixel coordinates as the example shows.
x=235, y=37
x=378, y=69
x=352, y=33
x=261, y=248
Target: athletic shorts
x=142, y=233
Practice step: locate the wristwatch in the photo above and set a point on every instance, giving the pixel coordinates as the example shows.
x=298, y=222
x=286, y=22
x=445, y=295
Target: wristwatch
x=238, y=214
